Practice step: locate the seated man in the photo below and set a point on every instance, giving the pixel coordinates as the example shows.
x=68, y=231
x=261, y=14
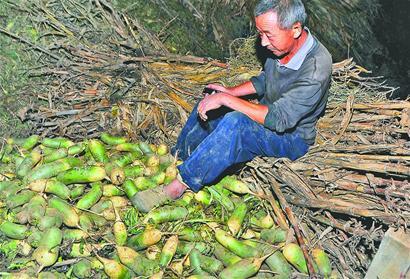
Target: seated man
x=293, y=90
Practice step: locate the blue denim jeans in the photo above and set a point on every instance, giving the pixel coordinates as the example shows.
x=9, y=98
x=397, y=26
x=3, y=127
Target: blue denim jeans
x=227, y=138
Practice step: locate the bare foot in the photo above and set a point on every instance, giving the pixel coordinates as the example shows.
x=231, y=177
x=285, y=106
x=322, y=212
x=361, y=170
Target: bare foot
x=175, y=189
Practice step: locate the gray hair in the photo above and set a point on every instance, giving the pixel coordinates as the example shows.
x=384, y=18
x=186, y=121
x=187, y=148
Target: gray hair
x=289, y=12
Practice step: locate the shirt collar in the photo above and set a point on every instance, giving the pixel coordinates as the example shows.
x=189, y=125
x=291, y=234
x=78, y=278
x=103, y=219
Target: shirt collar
x=296, y=62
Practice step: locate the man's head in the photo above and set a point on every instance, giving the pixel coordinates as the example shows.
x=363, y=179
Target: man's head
x=280, y=23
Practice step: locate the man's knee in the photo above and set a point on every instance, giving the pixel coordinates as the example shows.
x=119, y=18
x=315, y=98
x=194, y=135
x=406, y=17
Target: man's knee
x=235, y=119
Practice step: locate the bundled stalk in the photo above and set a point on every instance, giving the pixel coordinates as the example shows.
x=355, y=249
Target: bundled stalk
x=354, y=181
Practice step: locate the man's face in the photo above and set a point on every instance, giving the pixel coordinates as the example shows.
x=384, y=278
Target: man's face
x=277, y=40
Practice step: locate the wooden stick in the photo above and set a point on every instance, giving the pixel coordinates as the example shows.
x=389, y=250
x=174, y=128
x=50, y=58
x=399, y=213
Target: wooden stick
x=294, y=221
x=390, y=105
x=364, y=148
x=360, y=165
x=175, y=58
x=380, y=215
x=338, y=225
x=350, y=156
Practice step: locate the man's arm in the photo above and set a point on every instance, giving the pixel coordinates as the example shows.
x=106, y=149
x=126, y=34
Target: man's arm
x=243, y=89
x=256, y=112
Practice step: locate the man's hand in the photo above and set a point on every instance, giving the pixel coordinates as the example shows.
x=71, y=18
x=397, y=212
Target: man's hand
x=210, y=102
x=219, y=88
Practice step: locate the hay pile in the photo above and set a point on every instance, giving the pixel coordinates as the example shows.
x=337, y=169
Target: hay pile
x=99, y=71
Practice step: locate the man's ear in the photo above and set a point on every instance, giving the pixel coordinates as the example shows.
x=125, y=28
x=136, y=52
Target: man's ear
x=297, y=30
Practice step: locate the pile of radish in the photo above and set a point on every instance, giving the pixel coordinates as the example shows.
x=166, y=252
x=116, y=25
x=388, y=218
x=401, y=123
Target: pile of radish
x=65, y=212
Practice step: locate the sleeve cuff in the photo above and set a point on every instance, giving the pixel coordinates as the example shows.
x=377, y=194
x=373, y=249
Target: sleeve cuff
x=270, y=119
x=259, y=86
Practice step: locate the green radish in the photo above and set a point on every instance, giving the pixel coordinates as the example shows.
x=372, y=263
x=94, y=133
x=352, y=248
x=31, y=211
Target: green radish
x=243, y=269
x=14, y=231
x=210, y=264
x=190, y=234
x=144, y=183
x=201, y=276
x=225, y=256
x=86, y=222
x=185, y=199
x=50, y=275
x=80, y=250
x=274, y=235
x=77, y=191
x=158, y=178
x=30, y=142
x=133, y=171
x=129, y=188
x=19, y=199
x=4, y=185
x=91, y=197
x=145, y=148
x=130, y=147
x=236, y=219
x=152, y=161
x=136, y=262
x=110, y=190
x=168, y=251
x=68, y=213
x=278, y=264
x=127, y=159
x=150, y=171
x=45, y=257
x=185, y=247
x=102, y=205
x=52, y=218
x=57, y=154
x=166, y=214
x=95, y=263
x=28, y=163
x=162, y=149
x=322, y=261
x=18, y=160
x=221, y=198
x=12, y=189
x=57, y=142
x=51, y=238
x=98, y=151
x=234, y=245
x=82, y=269
x=195, y=262
x=262, y=220
x=112, y=140
x=36, y=209
x=250, y=234
x=51, y=186
x=234, y=185
x=22, y=217
x=35, y=237
x=52, y=169
x=171, y=173
x=76, y=149
x=293, y=254
x=148, y=237
x=116, y=174
x=119, y=230
x=114, y=269
x=46, y=150
x=5, y=153
x=119, y=202
x=74, y=234
x=82, y=175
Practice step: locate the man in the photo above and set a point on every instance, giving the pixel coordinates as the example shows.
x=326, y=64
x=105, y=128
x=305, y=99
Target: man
x=293, y=91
